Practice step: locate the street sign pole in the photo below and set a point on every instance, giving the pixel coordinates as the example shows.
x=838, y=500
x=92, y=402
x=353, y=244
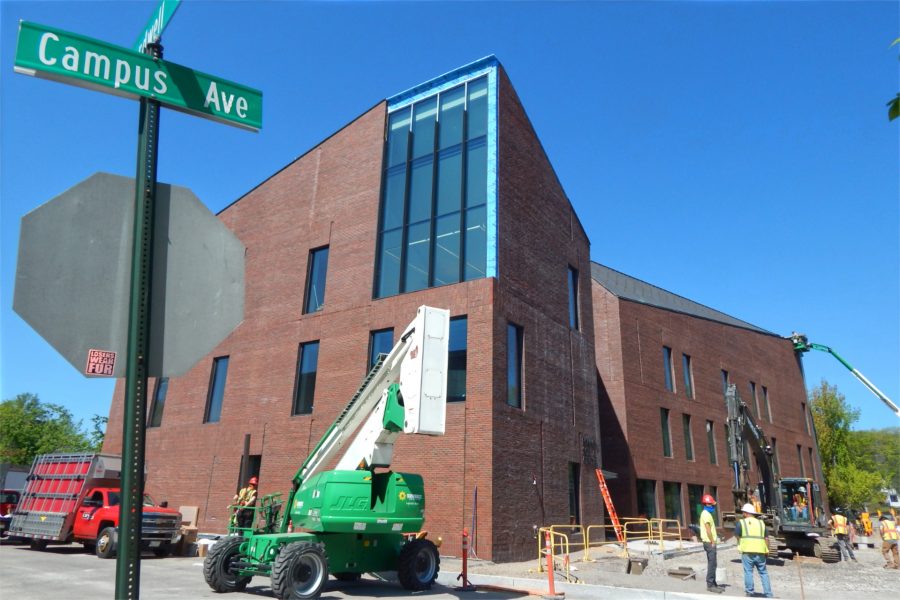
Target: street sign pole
x=128, y=566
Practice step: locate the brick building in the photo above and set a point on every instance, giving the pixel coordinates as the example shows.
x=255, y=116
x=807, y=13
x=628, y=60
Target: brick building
x=443, y=195
x=663, y=363
x=440, y=195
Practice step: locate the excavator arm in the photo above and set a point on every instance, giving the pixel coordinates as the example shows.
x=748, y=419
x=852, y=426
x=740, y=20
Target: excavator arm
x=744, y=432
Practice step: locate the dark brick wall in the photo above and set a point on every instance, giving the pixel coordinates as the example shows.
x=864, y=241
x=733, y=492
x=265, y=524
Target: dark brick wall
x=631, y=368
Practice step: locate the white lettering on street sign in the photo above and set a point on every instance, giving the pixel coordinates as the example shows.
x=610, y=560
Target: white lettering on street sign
x=158, y=21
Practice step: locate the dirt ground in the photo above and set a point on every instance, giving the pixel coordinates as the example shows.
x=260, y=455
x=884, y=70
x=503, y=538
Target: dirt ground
x=792, y=577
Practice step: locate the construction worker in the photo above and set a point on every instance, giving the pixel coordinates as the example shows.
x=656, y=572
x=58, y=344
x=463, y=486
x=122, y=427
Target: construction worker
x=841, y=531
x=709, y=537
x=243, y=517
x=751, y=533
x=889, y=539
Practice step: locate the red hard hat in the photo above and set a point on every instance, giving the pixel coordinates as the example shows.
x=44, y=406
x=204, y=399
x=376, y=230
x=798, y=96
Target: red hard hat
x=707, y=499
x=253, y=481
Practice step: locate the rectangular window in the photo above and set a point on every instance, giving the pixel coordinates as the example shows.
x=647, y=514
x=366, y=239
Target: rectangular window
x=380, y=342
x=711, y=443
x=433, y=217
x=514, y=365
x=646, y=498
x=725, y=382
x=316, y=271
x=216, y=390
x=159, y=402
x=765, y=395
x=775, y=455
x=305, y=383
x=664, y=424
x=574, y=494
x=672, y=493
x=695, y=504
x=805, y=418
x=688, y=438
x=800, y=460
x=456, y=360
x=667, y=369
x=688, y=373
x=812, y=464
x=754, y=401
x=573, y=298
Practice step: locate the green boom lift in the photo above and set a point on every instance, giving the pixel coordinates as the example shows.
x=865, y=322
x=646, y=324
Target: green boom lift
x=353, y=519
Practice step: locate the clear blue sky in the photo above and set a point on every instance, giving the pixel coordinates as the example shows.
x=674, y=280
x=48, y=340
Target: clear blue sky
x=736, y=153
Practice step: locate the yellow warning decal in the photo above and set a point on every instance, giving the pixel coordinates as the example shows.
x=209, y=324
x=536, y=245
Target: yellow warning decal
x=402, y=495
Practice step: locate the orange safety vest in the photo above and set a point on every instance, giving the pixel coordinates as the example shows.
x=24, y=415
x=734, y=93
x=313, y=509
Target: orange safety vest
x=840, y=524
x=888, y=530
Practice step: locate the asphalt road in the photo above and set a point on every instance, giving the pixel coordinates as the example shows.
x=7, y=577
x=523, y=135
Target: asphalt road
x=70, y=573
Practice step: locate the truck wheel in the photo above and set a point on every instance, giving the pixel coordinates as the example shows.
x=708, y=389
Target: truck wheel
x=419, y=565
x=38, y=544
x=106, y=543
x=300, y=571
x=219, y=566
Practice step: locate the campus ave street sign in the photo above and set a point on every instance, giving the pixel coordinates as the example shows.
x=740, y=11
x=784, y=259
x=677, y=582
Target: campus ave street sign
x=73, y=277
x=55, y=54
x=161, y=17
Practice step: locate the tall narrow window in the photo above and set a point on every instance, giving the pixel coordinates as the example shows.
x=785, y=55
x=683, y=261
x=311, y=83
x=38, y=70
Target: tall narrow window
x=456, y=361
x=695, y=502
x=514, y=365
x=688, y=373
x=775, y=454
x=688, y=438
x=805, y=418
x=800, y=460
x=812, y=464
x=646, y=498
x=754, y=401
x=574, y=494
x=573, y=298
x=725, y=382
x=711, y=443
x=664, y=425
x=433, y=214
x=316, y=271
x=380, y=342
x=765, y=395
x=216, y=390
x=305, y=383
x=667, y=368
x=672, y=493
x=159, y=402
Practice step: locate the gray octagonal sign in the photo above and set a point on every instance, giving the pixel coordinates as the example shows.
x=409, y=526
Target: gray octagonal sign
x=74, y=270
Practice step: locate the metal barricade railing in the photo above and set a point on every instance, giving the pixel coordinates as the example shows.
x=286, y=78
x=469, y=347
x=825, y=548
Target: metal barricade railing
x=592, y=533
x=557, y=548
x=659, y=531
x=573, y=533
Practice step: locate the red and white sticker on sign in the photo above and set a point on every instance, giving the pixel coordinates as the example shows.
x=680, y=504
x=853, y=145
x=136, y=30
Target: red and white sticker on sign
x=100, y=362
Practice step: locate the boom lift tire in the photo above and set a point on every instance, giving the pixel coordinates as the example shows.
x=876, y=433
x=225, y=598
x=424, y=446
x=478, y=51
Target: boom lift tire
x=420, y=564
x=218, y=567
x=300, y=571
x=106, y=543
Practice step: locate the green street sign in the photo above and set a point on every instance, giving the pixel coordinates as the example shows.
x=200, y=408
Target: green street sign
x=51, y=53
x=157, y=23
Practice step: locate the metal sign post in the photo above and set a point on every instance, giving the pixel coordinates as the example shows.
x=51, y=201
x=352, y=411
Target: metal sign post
x=128, y=566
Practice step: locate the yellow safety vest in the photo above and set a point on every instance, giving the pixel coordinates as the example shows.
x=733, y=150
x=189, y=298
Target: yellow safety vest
x=706, y=517
x=840, y=524
x=888, y=530
x=753, y=536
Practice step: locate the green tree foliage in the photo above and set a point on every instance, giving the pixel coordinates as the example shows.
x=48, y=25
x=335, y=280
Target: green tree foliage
x=29, y=427
x=894, y=105
x=879, y=451
x=98, y=432
x=849, y=482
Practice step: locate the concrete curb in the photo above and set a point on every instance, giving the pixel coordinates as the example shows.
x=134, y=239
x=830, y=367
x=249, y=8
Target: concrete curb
x=574, y=591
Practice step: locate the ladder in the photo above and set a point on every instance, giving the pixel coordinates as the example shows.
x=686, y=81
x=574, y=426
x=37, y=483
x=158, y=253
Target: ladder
x=614, y=517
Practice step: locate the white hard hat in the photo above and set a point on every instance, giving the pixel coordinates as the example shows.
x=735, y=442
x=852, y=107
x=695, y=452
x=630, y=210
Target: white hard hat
x=749, y=508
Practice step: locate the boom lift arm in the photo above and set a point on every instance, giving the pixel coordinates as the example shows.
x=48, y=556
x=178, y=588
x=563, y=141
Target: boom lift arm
x=802, y=344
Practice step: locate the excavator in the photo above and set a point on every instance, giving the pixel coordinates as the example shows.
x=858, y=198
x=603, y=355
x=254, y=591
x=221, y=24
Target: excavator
x=360, y=517
x=791, y=507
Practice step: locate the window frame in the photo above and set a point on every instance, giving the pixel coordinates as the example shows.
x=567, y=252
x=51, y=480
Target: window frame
x=688, y=437
x=211, y=394
x=312, y=264
x=512, y=329
x=298, y=389
x=574, y=304
x=160, y=391
x=666, y=428
x=711, y=442
x=687, y=368
x=465, y=359
x=669, y=370
x=372, y=357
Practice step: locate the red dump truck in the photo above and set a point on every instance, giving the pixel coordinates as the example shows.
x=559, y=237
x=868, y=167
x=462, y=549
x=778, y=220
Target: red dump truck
x=75, y=498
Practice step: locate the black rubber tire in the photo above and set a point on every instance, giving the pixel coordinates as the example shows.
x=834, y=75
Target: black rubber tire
x=300, y=571
x=218, y=566
x=38, y=545
x=106, y=543
x=163, y=550
x=347, y=576
x=419, y=565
